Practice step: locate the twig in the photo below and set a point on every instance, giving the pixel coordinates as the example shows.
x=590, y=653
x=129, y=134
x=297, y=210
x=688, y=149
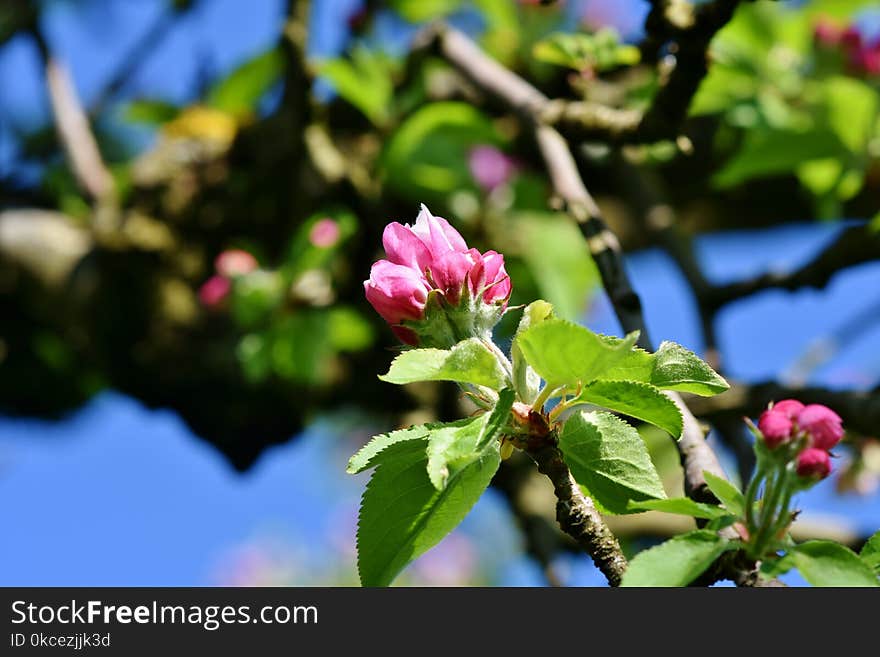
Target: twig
x=854, y=245
x=577, y=515
x=689, y=30
x=73, y=128
x=137, y=55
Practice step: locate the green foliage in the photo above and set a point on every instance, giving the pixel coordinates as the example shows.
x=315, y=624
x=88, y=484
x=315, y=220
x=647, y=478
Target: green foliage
x=426, y=156
x=678, y=561
x=566, y=278
x=403, y=514
x=639, y=400
x=801, y=115
x=682, y=506
x=470, y=361
x=526, y=381
x=578, y=51
x=671, y=367
x=773, y=152
x=240, y=91
x=364, y=80
x=825, y=563
x=426, y=480
x=564, y=353
x=727, y=494
x=416, y=11
x=608, y=457
x=449, y=446
x=151, y=112
x=870, y=553
x=365, y=457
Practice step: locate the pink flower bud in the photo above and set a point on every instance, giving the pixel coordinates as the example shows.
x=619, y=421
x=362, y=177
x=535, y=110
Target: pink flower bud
x=788, y=407
x=325, y=233
x=396, y=292
x=775, y=427
x=235, y=262
x=490, y=167
x=867, y=60
x=489, y=278
x=851, y=37
x=431, y=256
x=814, y=463
x=822, y=424
x=214, y=291
x=826, y=33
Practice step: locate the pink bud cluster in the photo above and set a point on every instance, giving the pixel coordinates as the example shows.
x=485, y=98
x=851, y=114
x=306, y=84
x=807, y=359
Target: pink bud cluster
x=431, y=256
x=227, y=266
x=862, y=55
x=789, y=421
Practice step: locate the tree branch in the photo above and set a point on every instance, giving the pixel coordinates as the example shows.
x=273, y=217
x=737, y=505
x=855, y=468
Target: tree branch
x=855, y=245
x=689, y=30
x=577, y=515
x=72, y=125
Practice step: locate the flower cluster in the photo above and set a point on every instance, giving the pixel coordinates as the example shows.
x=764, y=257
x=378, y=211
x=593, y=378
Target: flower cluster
x=228, y=265
x=862, y=54
x=813, y=430
x=432, y=289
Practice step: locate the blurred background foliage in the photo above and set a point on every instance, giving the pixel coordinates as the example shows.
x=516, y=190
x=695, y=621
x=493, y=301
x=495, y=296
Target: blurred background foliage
x=301, y=152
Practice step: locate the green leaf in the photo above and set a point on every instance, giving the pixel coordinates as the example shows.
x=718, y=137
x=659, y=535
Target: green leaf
x=567, y=278
x=870, y=553
x=449, y=445
x=365, y=457
x=526, y=381
x=852, y=111
x=580, y=51
x=364, y=80
x=671, y=367
x=682, y=506
x=426, y=157
x=416, y=11
x=728, y=494
x=774, y=152
x=470, y=361
x=151, y=112
x=639, y=400
x=609, y=458
x=564, y=353
x=825, y=563
x=677, y=368
x=240, y=91
x=678, y=561
x=403, y=515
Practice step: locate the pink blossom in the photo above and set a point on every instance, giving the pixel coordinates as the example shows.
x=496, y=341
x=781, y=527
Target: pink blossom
x=775, y=427
x=788, y=407
x=325, y=233
x=814, y=463
x=397, y=293
x=431, y=255
x=826, y=33
x=214, y=291
x=490, y=167
x=822, y=424
x=234, y=262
